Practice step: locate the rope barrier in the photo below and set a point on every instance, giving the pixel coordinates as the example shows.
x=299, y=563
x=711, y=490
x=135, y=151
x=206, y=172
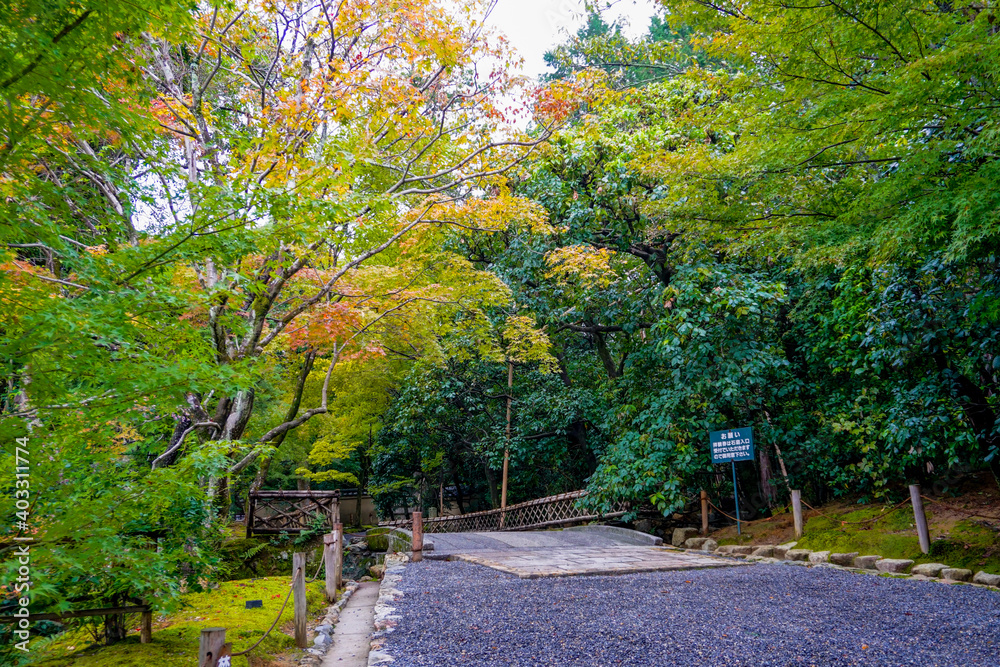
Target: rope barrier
x=291, y=587
x=321, y=560
x=884, y=514
x=959, y=509
x=743, y=521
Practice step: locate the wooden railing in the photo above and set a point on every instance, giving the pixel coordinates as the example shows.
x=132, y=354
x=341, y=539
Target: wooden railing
x=271, y=512
x=540, y=513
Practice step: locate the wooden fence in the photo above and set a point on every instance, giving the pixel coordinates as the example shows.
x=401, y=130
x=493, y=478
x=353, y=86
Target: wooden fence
x=272, y=512
x=540, y=513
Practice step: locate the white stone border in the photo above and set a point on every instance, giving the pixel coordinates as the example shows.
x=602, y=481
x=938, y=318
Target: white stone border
x=385, y=617
x=316, y=652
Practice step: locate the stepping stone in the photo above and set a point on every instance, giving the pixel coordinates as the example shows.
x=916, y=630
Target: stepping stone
x=819, y=557
x=956, y=574
x=798, y=554
x=765, y=551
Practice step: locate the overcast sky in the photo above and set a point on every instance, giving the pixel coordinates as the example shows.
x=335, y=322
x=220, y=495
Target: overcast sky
x=535, y=26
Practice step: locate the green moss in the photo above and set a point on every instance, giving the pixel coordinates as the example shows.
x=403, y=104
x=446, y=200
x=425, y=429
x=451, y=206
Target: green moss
x=967, y=545
x=177, y=644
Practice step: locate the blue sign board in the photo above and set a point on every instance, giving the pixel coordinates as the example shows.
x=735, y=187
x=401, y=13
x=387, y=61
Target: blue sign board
x=735, y=444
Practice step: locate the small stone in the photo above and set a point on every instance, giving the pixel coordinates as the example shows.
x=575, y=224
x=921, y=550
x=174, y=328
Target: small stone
x=790, y=545
x=314, y=651
x=894, y=565
x=709, y=545
x=321, y=640
x=781, y=551
x=956, y=574
x=744, y=550
x=324, y=629
x=866, y=562
x=682, y=535
x=765, y=551
x=725, y=549
x=847, y=560
x=696, y=542
x=365, y=578
x=798, y=554
x=819, y=557
x=928, y=569
x=986, y=579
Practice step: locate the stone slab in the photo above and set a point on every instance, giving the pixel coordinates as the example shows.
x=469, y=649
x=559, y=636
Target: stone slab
x=797, y=554
x=986, y=579
x=956, y=574
x=928, y=569
x=819, y=557
x=846, y=560
x=894, y=565
x=866, y=562
x=765, y=551
x=623, y=535
x=682, y=535
x=536, y=563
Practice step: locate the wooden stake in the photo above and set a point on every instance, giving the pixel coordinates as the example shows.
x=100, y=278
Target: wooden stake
x=920, y=518
x=299, y=593
x=797, y=512
x=330, y=564
x=338, y=553
x=146, y=628
x=417, y=544
x=210, y=645
x=506, y=451
x=704, y=512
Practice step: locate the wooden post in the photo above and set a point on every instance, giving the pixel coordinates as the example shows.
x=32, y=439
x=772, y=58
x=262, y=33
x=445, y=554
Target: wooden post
x=418, y=532
x=506, y=450
x=704, y=512
x=330, y=563
x=299, y=593
x=797, y=512
x=210, y=646
x=338, y=555
x=920, y=518
x=146, y=628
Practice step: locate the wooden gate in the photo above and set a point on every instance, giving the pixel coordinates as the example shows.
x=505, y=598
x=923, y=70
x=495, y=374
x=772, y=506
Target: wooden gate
x=273, y=512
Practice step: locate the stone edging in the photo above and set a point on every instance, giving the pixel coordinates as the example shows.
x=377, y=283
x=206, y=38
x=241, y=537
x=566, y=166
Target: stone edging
x=787, y=554
x=314, y=654
x=385, y=616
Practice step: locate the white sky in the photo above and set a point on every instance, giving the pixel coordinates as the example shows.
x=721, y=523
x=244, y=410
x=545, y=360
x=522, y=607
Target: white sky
x=535, y=26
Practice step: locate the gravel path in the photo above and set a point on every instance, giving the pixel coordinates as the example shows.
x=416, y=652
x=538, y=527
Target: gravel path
x=455, y=613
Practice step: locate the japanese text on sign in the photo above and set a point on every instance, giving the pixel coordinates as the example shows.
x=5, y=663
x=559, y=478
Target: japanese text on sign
x=732, y=445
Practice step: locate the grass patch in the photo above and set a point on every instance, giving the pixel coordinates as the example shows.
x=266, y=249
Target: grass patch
x=175, y=637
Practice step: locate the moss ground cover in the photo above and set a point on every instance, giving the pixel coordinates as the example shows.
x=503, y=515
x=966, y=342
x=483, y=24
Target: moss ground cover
x=175, y=636
x=958, y=542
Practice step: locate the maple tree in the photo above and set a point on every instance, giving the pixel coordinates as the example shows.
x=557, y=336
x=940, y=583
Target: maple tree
x=209, y=211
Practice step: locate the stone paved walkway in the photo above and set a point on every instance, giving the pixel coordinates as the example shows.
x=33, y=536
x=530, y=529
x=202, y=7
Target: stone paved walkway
x=533, y=563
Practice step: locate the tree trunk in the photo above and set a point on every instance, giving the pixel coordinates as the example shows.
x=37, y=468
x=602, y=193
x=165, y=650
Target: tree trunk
x=767, y=487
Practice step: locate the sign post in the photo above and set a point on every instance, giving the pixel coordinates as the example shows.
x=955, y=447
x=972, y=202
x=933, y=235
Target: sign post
x=730, y=446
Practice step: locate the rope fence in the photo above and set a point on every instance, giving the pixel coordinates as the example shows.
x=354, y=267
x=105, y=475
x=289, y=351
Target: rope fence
x=280, y=612
x=873, y=519
x=960, y=510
